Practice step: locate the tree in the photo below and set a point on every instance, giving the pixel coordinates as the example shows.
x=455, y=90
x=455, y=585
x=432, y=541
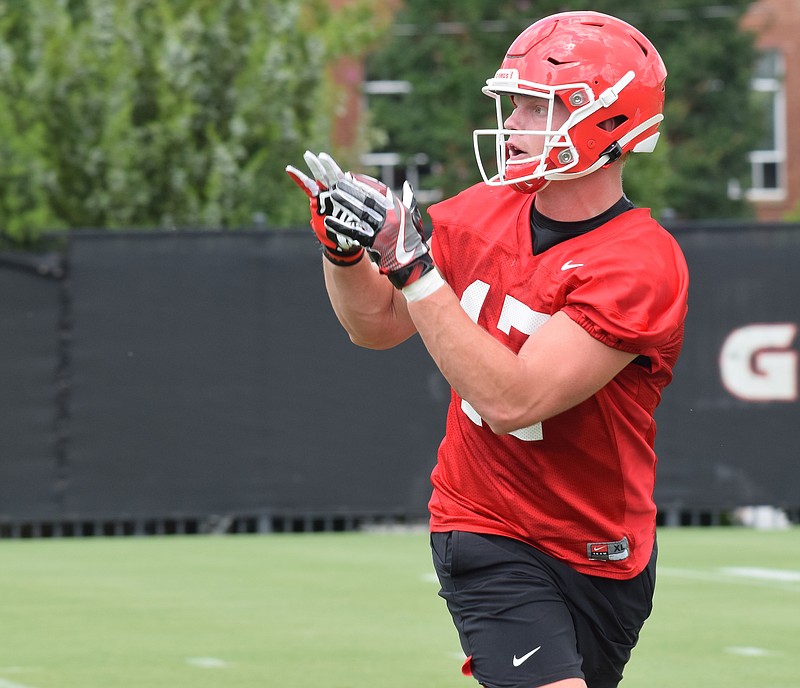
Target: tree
x=163, y=113
x=448, y=49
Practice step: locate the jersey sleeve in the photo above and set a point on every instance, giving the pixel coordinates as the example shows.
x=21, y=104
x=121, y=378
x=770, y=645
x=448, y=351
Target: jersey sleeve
x=633, y=301
x=444, y=215
x=437, y=249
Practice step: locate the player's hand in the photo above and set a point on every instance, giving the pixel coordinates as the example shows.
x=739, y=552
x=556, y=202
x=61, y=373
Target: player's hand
x=390, y=229
x=338, y=248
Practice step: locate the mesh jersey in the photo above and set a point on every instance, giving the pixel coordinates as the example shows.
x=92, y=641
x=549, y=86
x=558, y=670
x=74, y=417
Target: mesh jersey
x=578, y=486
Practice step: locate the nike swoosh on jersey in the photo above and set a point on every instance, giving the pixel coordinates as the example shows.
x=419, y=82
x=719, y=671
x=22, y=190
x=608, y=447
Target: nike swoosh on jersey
x=569, y=265
x=517, y=661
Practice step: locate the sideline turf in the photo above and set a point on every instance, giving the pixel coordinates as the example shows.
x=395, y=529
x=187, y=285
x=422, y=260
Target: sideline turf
x=355, y=611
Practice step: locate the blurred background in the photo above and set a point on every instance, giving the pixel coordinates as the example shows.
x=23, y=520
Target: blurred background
x=165, y=339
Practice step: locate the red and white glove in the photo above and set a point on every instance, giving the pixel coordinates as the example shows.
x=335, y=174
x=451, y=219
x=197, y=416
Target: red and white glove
x=390, y=230
x=336, y=247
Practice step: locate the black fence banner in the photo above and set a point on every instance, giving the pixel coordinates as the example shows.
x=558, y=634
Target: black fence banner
x=204, y=375
x=729, y=425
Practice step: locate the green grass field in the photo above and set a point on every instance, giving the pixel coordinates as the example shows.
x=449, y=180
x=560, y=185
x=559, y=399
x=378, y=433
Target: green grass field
x=355, y=610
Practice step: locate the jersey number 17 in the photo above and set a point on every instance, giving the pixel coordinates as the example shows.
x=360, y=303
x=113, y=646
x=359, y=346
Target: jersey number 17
x=514, y=314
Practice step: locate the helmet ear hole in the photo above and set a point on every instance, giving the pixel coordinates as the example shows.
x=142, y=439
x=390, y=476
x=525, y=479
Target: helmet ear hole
x=612, y=123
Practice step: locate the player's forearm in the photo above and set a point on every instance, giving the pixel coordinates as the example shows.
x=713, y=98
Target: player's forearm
x=369, y=308
x=558, y=367
x=491, y=377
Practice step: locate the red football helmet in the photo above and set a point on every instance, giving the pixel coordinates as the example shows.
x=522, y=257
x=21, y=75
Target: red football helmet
x=608, y=76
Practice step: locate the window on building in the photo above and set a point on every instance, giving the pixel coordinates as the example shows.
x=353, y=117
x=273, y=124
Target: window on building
x=768, y=161
x=391, y=167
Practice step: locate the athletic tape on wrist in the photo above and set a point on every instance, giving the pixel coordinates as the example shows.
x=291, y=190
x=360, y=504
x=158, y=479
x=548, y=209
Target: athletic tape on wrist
x=424, y=286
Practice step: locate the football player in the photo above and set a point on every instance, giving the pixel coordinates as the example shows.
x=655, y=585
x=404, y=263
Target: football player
x=555, y=309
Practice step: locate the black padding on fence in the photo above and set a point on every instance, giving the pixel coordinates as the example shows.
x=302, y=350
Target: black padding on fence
x=210, y=376
x=716, y=449
x=30, y=311
x=194, y=374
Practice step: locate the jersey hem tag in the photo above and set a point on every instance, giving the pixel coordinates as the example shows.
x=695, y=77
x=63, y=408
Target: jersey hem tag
x=608, y=551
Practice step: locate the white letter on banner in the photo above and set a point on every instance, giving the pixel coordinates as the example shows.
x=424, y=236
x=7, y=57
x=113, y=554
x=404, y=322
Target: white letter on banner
x=757, y=364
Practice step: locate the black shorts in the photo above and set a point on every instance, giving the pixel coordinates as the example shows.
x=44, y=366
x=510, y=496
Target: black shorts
x=525, y=619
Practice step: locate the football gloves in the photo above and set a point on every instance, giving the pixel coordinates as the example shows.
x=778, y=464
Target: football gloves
x=337, y=247
x=389, y=229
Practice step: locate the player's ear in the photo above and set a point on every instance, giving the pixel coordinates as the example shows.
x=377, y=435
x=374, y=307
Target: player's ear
x=612, y=123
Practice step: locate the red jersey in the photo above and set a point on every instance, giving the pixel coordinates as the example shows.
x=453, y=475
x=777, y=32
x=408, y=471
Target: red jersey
x=578, y=486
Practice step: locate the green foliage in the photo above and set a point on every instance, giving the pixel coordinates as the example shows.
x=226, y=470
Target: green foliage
x=708, y=129
x=163, y=112
x=709, y=118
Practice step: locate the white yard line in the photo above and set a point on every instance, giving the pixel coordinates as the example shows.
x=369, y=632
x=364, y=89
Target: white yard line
x=773, y=579
x=204, y=663
x=777, y=575
x=751, y=652
x=10, y=684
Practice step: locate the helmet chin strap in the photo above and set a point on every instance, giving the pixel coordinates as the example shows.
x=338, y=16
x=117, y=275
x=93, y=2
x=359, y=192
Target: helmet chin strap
x=614, y=151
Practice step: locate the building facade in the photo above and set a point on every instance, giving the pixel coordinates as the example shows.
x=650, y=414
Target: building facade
x=775, y=186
